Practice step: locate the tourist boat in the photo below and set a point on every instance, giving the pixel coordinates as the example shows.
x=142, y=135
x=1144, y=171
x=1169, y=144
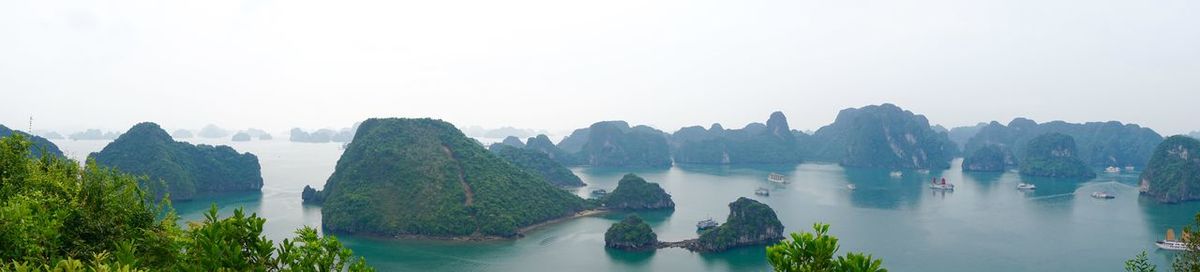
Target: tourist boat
x=598, y=193
x=1026, y=186
x=1112, y=169
x=1103, y=195
x=762, y=192
x=941, y=185
x=923, y=171
x=897, y=174
x=851, y=186
x=1129, y=168
x=706, y=224
x=1170, y=243
x=776, y=178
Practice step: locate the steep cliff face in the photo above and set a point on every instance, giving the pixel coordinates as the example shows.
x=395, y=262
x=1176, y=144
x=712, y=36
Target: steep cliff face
x=634, y=193
x=883, y=136
x=1054, y=155
x=1173, y=174
x=543, y=144
x=615, y=144
x=990, y=158
x=772, y=143
x=749, y=223
x=1100, y=144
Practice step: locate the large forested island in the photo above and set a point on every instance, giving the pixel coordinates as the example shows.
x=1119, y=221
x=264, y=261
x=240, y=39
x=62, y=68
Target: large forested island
x=38, y=145
x=179, y=168
x=1054, y=155
x=634, y=193
x=883, y=136
x=756, y=143
x=1100, y=144
x=537, y=163
x=1173, y=174
x=423, y=178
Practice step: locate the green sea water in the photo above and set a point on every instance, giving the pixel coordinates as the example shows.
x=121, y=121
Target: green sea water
x=983, y=225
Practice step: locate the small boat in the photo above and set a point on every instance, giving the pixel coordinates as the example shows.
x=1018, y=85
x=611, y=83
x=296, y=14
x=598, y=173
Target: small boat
x=942, y=185
x=777, y=178
x=1129, y=168
x=1170, y=243
x=598, y=193
x=1112, y=169
x=851, y=186
x=706, y=224
x=1026, y=186
x=1103, y=195
x=762, y=192
x=923, y=171
x=896, y=174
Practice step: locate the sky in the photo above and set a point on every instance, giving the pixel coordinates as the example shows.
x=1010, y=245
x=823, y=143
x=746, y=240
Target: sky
x=559, y=65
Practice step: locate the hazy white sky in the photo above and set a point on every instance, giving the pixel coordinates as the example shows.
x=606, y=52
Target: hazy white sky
x=560, y=65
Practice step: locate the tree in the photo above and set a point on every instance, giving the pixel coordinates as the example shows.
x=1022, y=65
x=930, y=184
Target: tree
x=1140, y=264
x=814, y=252
x=58, y=216
x=1189, y=260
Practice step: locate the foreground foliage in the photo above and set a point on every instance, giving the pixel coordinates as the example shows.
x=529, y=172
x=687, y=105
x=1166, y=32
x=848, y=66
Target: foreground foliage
x=814, y=252
x=181, y=169
x=58, y=216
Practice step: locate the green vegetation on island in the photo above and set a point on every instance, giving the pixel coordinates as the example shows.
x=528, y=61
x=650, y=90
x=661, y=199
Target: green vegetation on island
x=38, y=145
x=58, y=216
x=1054, y=155
x=616, y=144
x=212, y=132
x=756, y=143
x=424, y=178
x=749, y=223
x=814, y=251
x=312, y=196
x=1173, y=174
x=539, y=164
x=631, y=234
x=1100, y=144
x=179, y=168
x=990, y=158
x=541, y=143
x=883, y=136
x=634, y=193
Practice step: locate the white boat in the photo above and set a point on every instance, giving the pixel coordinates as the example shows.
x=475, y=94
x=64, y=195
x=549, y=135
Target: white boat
x=777, y=178
x=1103, y=195
x=1170, y=243
x=851, y=186
x=706, y=224
x=1112, y=169
x=1026, y=186
x=1129, y=168
x=762, y=192
x=942, y=185
x=897, y=174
